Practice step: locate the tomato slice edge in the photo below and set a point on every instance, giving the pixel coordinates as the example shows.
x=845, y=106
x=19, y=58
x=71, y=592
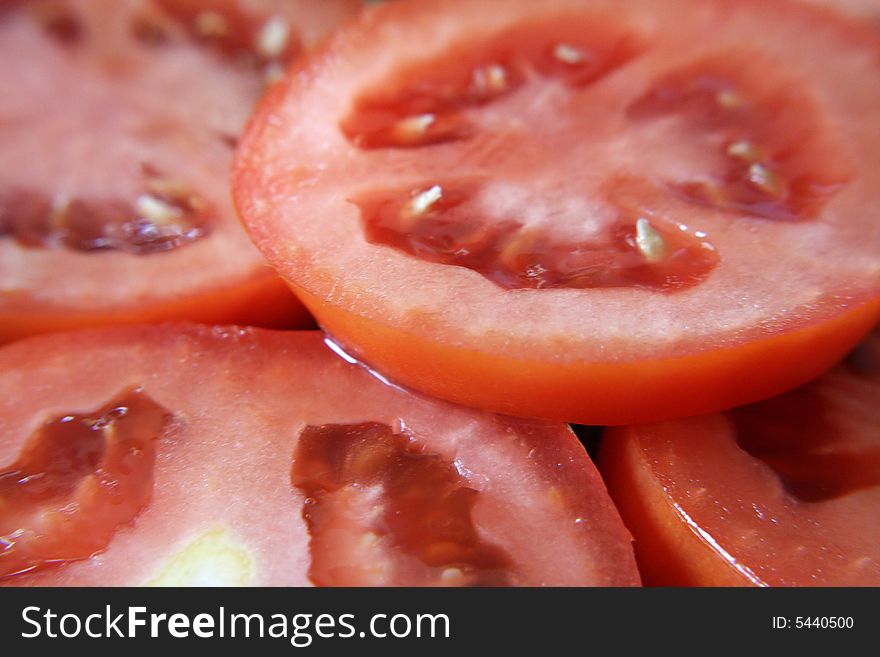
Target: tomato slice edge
x=599, y=393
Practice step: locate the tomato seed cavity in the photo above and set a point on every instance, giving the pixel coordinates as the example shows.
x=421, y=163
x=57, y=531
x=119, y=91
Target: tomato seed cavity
x=423, y=107
x=265, y=43
x=76, y=481
x=776, y=160
x=444, y=223
x=166, y=215
x=57, y=20
x=377, y=504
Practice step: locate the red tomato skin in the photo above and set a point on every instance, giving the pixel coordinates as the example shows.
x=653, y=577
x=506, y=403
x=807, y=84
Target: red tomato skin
x=705, y=511
x=265, y=301
x=601, y=393
x=668, y=550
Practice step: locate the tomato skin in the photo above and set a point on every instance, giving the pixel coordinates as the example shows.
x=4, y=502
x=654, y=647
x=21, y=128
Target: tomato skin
x=463, y=339
x=668, y=551
x=781, y=493
x=223, y=505
x=600, y=393
x=265, y=301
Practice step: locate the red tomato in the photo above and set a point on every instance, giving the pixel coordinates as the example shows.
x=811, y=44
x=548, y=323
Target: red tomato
x=118, y=125
x=196, y=455
x=783, y=492
x=600, y=212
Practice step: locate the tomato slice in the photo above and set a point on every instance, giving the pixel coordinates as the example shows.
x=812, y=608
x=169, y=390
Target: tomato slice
x=594, y=212
x=782, y=492
x=118, y=131
x=223, y=455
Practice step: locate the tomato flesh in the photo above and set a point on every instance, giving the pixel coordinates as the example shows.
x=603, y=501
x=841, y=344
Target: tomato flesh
x=623, y=214
x=327, y=475
x=783, y=492
x=867, y=11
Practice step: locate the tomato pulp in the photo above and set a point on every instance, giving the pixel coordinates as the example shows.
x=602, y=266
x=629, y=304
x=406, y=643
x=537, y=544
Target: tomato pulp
x=865, y=10
x=243, y=456
x=603, y=213
x=118, y=125
x=783, y=492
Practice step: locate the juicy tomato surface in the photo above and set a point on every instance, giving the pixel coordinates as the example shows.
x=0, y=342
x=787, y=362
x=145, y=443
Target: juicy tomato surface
x=118, y=125
x=603, y=212
x=198, y=455
x=782, y=492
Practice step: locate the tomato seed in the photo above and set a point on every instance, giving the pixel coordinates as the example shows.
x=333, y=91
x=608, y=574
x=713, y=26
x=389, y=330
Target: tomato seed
x=729, y=99
x=744, y=150
x=568, y=54
x=765, y=179
x=423, y=201
x=650, y=242
x=761, y=173
x=273, y=38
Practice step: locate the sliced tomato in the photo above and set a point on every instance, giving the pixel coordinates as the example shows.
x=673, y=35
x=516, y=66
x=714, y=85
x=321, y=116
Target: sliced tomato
x=783, y=492
x=601, y=212
x=118, y=129
x=196, y=455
